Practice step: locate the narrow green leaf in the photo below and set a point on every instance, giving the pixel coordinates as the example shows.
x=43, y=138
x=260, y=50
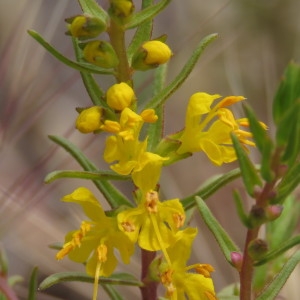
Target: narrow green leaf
x=285, y=246
x=91, y=7
x=116, y=279
x=114, y=197
x=147, y=14
x=263, y=143
x=142, y=34
x=33, y=285
x=210, y=187
x=289, y=183
x=288, y=92
x=93, y=89
x=97, y=175
x=83, y=67
x=155, y=130
x=226, y=244
x=272, y=290
x=288, y=134
x=240, y=209
x=248, y=170
x=182, y=76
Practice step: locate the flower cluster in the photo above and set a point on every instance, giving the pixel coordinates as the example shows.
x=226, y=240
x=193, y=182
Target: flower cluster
x=152, y=224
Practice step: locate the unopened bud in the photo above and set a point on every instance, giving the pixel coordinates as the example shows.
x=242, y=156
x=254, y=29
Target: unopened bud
x=119, y=96
x=89, y=119
x=257, y=216
x=121, y=10
x=85, y=27
x=273, y=212
x=257, y=249
x=237, y=260
x=101, y=54
x=151, y=55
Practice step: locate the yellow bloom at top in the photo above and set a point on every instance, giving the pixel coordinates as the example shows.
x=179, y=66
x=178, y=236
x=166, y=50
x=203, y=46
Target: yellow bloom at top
x=208, y=128
x=89, y=119
x=119, y=96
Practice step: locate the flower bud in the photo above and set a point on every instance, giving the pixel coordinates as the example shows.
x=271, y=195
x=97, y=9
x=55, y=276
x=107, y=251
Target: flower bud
x=101, y=54
x=257, y=216
x=257, y=249
x=119, y=96
x=85, y=27
x=89, y=119
x=273, y=212
x=237, y=260
x=151, y=55
x=121, y=10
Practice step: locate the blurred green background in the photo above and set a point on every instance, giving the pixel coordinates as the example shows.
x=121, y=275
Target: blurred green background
x=38, y=96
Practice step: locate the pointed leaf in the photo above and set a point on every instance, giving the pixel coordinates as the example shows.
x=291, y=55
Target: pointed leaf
x=89, y=82
x=83, y=67
x=288, y=134
x=287, y=93
x=97, y=175
x=226, y=244
x=117, y=279
x=249, y=173
x=182, y=76
x=289, y=183
x=210, y=187
x=33, y=285
x=155, y=130
x=240, y=209
x=114, y=197
x=263, y=143
x=272, y=290
x=142, y=34
x=147, y=14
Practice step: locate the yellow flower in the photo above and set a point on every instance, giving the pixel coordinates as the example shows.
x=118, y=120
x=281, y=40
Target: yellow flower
x=119, y=96
x=177, y=278
x=95, y=241
x=208, y=128
x=89, y=119
x=129, y=154
x=152, y=223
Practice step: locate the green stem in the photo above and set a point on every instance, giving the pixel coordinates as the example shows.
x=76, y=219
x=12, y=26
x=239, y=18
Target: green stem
x=117, y=39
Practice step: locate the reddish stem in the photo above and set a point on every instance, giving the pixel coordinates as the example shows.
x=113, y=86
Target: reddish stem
x=149, y=290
